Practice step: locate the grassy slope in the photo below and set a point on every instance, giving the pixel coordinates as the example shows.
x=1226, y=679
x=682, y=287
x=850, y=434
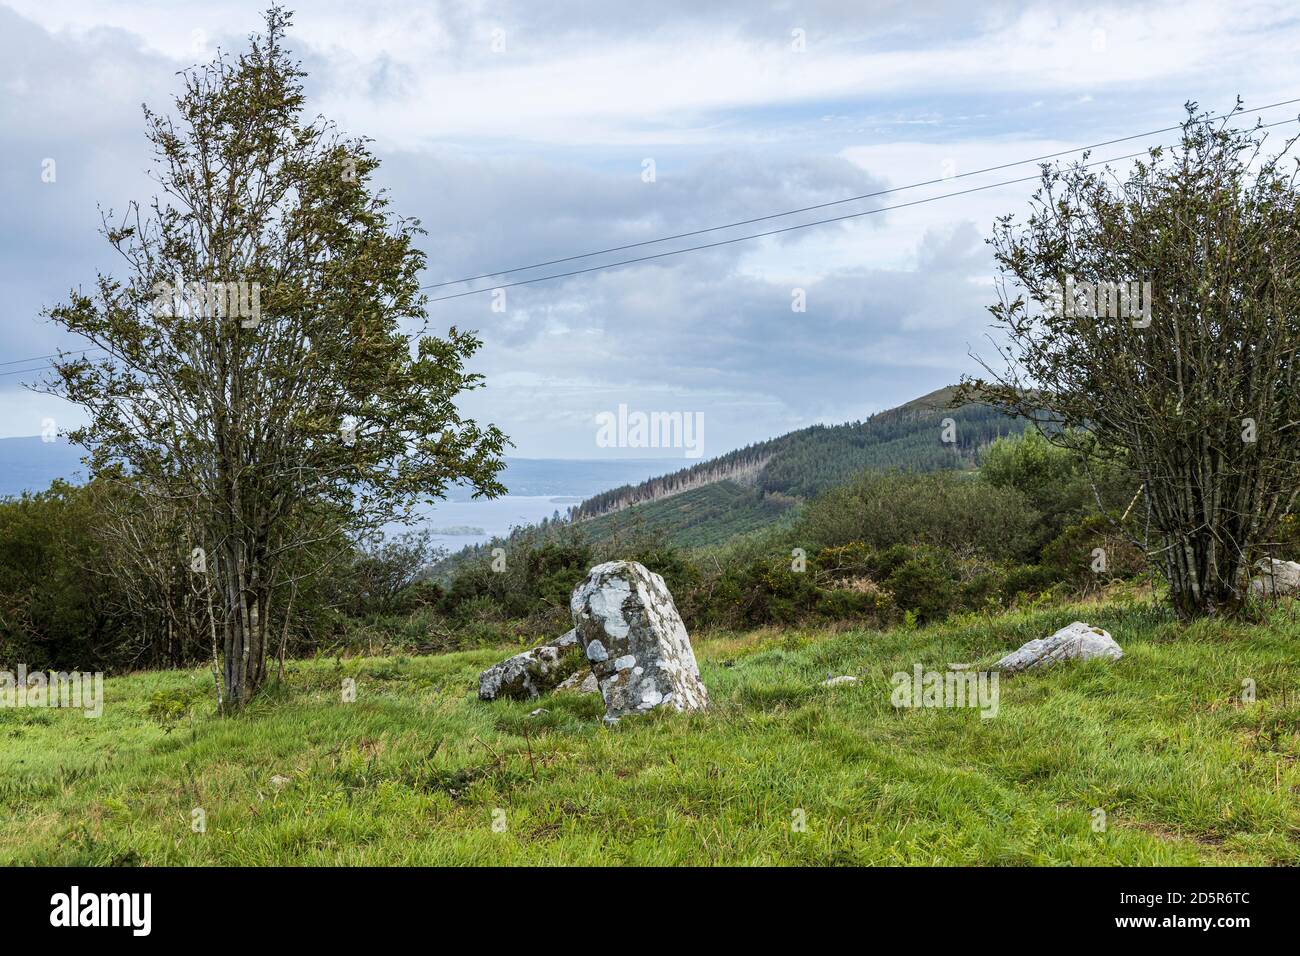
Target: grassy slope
x=411, y=772
x=712, y=514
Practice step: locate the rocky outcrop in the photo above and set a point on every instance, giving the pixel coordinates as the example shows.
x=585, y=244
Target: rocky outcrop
x=635, y=641
x=532, y=673
x=1277, y=579
x=1078, y=642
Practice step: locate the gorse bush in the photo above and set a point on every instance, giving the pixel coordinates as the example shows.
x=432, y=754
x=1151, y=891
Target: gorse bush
x=942, y=509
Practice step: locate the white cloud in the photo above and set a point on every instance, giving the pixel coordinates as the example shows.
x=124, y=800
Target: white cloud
x=534, y=153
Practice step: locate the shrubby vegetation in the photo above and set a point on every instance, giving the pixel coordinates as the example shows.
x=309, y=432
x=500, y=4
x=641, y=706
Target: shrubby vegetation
x=888, y=548
x=56, y=602
x=946, y=510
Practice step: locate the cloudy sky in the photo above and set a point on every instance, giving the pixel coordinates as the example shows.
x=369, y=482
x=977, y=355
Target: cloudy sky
x=523, y=132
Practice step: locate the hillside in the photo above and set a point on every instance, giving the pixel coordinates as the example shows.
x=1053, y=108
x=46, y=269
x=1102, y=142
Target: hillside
x=755, y=486
x=417, y=769
x=700, y=517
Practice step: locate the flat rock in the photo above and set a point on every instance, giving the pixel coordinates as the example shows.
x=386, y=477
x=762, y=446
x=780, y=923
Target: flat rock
x=1077, y=642
x=532, y=673
x=635, y=641
x=1279, y=578
x=837, y=681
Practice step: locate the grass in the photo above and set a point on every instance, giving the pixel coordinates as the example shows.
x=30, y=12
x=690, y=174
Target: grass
x=417, y=770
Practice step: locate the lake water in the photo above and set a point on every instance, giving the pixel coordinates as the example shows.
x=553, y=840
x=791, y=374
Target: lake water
x=457, y=524
x=537, y=487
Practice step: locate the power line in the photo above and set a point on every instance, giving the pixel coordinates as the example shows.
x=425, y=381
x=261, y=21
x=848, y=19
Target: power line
x=36, y=358
x=784, y=229
x=759, y=235
x=838, y=202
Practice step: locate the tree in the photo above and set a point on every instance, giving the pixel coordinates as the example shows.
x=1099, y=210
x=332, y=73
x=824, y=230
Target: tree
x=257, y=376
x=1158, y=316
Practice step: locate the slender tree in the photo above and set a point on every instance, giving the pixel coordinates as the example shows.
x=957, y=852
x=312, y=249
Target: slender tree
x=1159, y=313
x=256, y=375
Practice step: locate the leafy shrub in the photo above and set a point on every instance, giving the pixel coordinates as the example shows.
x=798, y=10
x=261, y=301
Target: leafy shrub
x=762, y=592
x=56, y=605
x=168, y=707
x=1071, y=555
x=945, y=510
x=924, y=584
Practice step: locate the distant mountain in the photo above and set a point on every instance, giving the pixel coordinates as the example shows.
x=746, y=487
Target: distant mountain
x=757, y=485
x=703, y=504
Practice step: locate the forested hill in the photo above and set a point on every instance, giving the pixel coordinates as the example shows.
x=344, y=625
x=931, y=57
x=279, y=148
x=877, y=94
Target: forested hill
x=804, y=463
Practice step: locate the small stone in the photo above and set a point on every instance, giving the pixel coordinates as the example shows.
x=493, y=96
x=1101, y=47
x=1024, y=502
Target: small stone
x=837, y=681
x=596, y=652
x=580, y=681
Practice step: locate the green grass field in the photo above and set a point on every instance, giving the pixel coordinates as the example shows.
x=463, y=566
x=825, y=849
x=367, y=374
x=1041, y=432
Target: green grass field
x=418, y=771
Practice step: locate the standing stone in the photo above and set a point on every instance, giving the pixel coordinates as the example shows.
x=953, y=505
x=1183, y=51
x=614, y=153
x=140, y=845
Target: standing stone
x=532, y=673
x=1079, y=642
x=636, y=642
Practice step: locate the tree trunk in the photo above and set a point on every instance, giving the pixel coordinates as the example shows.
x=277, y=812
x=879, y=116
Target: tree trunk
x=248, y=605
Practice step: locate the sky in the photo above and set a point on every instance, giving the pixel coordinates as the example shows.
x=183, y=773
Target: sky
x=524, y=132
